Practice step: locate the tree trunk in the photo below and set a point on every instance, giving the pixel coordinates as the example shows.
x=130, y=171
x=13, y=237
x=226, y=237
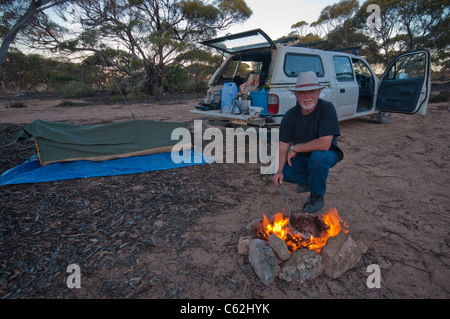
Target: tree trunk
x=11, y=35
x=155, y=73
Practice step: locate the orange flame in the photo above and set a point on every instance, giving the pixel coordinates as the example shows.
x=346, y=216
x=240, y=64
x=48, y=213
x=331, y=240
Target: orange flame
x=279, y=227
x=294, y=240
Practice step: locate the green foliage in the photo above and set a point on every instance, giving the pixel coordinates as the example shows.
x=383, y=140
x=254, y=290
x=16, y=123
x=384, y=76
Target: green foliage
x=198, y=87
x=116, y=98
x=340, y=12
x=199, y=64
x=176, y=79
x=152, y=31
x=59, y=77
x=338, y=19
x=24, y=72
x=238, y=9
x=406, y=25
x=89, y=38
x=17, y=105
x=443, y=96
x=310, y=38
x=66, y=103
x=199, y=13
x=76, y=89
x=134, y=95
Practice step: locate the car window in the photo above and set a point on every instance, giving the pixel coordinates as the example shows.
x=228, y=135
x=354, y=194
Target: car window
x=361, y=68
x=343, y=68
x=411, y=66
x=243, y=69
x=298, y=63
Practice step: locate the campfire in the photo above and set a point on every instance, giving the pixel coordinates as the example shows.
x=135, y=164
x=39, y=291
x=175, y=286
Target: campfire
x=300, y=249
x=295, y=239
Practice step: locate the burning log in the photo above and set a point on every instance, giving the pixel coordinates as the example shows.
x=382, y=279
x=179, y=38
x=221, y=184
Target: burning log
x=307, y=232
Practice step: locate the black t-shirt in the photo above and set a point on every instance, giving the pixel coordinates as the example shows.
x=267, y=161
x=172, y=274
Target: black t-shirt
x=322, y=121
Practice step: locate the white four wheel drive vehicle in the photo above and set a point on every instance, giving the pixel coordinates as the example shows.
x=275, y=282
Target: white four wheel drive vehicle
x=349, y=81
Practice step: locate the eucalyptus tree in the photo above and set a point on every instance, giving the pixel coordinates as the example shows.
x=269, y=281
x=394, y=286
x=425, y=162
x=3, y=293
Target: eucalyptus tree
x=338, y=18
x=22, y=16
x=154, y=32
x=407, y=25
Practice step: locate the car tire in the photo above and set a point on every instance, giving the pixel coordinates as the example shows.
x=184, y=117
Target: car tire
x=383, y=117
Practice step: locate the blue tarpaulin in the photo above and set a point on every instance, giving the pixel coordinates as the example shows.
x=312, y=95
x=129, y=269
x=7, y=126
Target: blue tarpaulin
x=32, y=172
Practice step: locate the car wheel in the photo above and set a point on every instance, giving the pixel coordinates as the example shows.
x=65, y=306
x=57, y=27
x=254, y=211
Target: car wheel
x=383, y=117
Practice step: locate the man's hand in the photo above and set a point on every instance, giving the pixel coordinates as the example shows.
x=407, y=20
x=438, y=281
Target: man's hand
x=277, y=178
x=290, y=154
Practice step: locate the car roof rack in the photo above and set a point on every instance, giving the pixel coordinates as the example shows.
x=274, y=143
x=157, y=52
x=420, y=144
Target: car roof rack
x=354, y=50
x=290, y=39
x=311, y=44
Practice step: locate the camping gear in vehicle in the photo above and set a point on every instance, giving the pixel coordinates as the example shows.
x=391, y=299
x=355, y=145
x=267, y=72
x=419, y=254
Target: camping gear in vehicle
x=253, y=110
x=260, y=99
x=207, y=104
x=235, y=109
x=229, y=92
x=250, y=84
x=244, y=105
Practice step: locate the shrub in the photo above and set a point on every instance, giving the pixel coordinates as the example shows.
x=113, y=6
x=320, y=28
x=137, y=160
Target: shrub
x=58, y=77
x=76, y=89
x=134, y=95
x=443, y=96
x=177, y=78
x=116, y=98
x=198, y=87
x=17, y=105
x=66, y=103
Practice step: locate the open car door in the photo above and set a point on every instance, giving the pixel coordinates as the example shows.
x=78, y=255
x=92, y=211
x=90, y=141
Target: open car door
x=406, y=84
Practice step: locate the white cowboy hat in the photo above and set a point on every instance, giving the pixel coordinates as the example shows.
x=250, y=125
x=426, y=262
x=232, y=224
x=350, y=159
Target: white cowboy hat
x=306, y=81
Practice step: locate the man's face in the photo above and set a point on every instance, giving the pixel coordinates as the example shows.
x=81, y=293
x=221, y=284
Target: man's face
x=307, y=99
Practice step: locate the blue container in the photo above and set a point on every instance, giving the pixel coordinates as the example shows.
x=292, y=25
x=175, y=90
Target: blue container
x=260, y=99
x=229, y=92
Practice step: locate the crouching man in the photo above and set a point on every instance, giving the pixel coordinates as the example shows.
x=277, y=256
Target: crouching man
x=308, y=142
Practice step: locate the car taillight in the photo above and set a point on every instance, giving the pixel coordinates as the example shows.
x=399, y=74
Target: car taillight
x=273, y=104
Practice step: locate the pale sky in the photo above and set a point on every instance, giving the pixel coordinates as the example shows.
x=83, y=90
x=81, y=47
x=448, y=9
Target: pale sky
x=275, y=17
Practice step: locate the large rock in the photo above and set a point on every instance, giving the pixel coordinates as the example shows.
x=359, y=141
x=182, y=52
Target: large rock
x=263, y=260
x=341, y=253
x=304, y=265
x=279, y=247
x=243, y=243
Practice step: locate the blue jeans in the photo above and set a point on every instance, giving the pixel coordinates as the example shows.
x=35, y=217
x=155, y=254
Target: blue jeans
x=312, y=170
